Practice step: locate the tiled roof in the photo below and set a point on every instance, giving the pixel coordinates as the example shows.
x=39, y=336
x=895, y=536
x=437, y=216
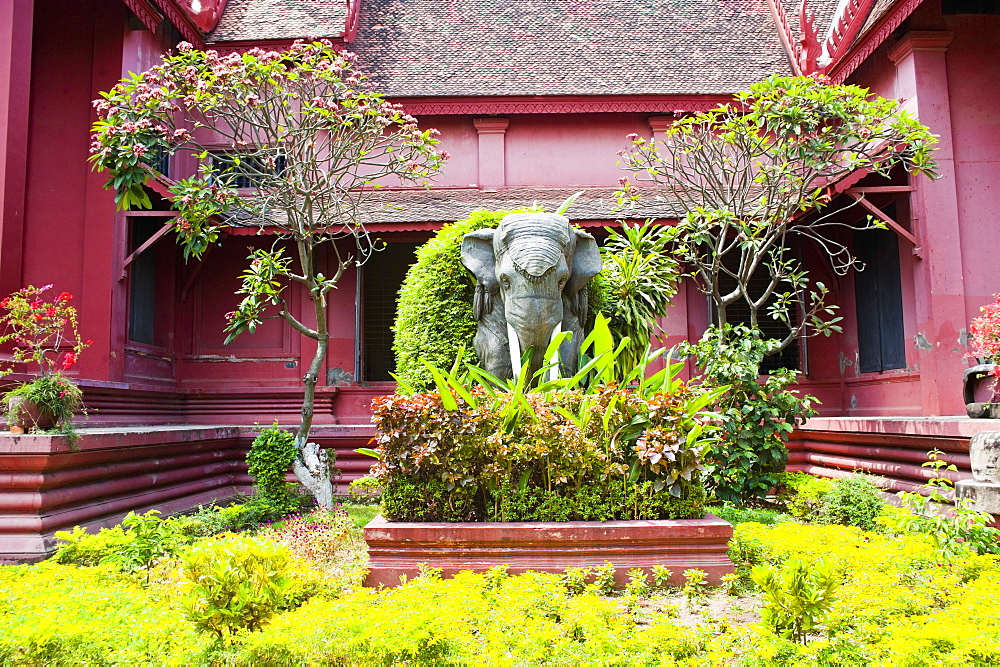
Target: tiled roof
x=416, y=209
x=279, y=19
x=878, y=11
x=418, y=48
x=565, y=47
x=451, y=205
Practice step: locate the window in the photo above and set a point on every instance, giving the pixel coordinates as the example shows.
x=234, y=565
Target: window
x=142, y=282
x=879, y=298
x=250, y=171
x=739, y=313
x=383, y=274
x=159, y=160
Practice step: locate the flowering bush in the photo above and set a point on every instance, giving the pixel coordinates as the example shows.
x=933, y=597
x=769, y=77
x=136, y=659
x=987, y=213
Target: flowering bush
x=571, y=456
x=984, y=339
x=44, y=332
x=45, y=335
x=984, y=332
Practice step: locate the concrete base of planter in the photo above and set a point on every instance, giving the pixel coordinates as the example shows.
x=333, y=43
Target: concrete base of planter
x=396, y=549
x=985, y=496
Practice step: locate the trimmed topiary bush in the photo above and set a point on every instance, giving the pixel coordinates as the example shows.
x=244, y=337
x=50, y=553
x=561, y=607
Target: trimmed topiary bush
x=434, y=313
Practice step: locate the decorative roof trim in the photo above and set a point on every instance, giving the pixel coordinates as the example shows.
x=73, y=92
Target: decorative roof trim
x=182, y=21
x=785, y=34
x=423, y=106
x=810, y=50
x=872, y=39
x=845, y=28
x=145, y=11
x=351, y=21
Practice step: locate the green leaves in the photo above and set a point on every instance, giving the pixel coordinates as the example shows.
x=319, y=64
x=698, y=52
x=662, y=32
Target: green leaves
x=798, y=596
x=270, y=457
x=234, y=583
x=751, y=176
x=755, y=417
x=637, y=282
x=263, y=283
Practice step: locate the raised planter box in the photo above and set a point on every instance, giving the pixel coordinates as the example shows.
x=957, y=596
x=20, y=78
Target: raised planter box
x=397, y=549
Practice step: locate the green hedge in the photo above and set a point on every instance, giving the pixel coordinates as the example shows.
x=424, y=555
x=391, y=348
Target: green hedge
x=434, y=313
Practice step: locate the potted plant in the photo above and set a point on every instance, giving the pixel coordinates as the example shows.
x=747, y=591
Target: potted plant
x=45, y=335
x=982, y=399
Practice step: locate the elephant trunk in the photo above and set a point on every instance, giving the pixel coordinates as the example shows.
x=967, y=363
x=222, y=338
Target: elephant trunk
x=533, y=328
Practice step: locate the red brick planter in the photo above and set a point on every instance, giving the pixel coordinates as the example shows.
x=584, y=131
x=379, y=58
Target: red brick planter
x=397, y=549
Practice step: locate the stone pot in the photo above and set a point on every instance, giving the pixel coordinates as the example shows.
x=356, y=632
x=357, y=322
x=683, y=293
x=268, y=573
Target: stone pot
x=25, y=416
x=977, y=389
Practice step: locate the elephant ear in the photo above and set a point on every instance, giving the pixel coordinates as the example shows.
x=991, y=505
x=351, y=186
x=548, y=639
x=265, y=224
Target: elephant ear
x=586, y=265
x=477, y=256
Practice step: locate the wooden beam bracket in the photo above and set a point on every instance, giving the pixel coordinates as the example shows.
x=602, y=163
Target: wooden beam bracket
x=858, y=194
x=151, y=240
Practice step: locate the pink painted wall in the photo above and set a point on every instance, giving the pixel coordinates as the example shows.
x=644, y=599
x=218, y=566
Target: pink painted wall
x=974, y=88
x=460, y=140
x=568, y=149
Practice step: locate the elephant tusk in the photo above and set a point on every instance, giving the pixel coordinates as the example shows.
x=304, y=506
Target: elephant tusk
x=554, y=371
x=515, y=351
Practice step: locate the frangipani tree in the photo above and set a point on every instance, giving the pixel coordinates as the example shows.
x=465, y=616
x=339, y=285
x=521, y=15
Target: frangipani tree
x=747, y=172
x=295, y=142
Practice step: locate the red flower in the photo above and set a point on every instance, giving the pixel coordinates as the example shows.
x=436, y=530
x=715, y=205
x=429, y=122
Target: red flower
x=37, y=303
x=68, y=361
x=64, y=296
x=90, y=342
x=50, y=311
x=3, y=304
x=38, y=317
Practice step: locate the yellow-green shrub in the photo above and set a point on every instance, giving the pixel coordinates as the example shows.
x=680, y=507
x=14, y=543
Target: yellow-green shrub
x=470, y=619
x=235, y=583
x=55, y=614
x=898, y=601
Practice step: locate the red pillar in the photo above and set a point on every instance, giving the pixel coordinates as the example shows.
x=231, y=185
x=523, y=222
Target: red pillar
x=15, y=86
x=104, y=296
x=922, y=79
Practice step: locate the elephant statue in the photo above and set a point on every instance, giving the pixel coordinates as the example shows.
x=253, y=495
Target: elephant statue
x=531, y=283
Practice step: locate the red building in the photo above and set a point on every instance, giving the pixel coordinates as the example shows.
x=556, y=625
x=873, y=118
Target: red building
x=533, y=99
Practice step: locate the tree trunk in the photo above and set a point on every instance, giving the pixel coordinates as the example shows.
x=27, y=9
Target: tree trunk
x=312, y=466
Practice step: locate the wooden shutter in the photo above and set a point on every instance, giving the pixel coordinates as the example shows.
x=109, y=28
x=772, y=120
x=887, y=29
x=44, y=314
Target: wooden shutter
x=879, y=301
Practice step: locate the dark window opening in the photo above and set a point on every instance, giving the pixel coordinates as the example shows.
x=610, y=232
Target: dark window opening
x=970, y=7
x=383, y=274
x=251, y=171
x=159, y=160
x=879, y=298
x=142, y=282
x=739, y=313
